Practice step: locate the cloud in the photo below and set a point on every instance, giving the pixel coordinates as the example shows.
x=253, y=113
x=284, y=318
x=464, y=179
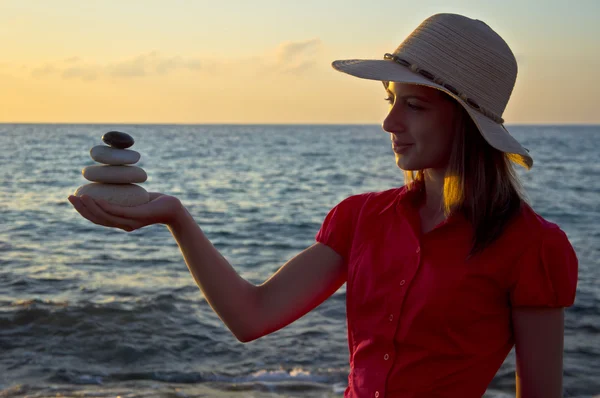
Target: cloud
x=84, y=73
x=152, y=64
x=148, y=64
x=289, y=51
x=289, y=57
x=297, y=56
x=45, y=70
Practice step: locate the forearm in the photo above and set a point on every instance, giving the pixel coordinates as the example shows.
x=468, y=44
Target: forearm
x=230, y=296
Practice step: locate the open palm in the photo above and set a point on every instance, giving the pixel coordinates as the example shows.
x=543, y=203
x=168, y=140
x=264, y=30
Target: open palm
x=161, y=209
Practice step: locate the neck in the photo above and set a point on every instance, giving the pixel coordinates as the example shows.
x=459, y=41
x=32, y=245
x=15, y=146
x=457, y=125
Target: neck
x=434, y=188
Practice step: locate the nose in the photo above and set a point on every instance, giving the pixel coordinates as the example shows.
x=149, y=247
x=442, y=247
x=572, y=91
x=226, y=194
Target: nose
x=392, y=123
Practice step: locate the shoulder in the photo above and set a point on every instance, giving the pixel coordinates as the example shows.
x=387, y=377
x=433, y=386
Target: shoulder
x=377, y=196
x=527, y=236
x=551, y=241
x=372, y=201
x=354, y=207
x=545, y=272
x=337, y=229
x=531, y=227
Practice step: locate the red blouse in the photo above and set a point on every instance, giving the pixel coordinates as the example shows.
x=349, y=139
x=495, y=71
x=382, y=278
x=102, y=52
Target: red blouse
x=423, y=321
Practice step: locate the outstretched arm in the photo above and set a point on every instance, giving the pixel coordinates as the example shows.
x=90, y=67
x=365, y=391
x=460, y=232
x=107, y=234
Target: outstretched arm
x=249, y=311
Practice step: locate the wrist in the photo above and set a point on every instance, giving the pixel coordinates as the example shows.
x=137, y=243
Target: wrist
x=179, y=217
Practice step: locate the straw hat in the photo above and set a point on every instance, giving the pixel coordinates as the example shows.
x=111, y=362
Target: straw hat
x=464, y=58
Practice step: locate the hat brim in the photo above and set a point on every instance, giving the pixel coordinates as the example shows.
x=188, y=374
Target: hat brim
x=387, y=70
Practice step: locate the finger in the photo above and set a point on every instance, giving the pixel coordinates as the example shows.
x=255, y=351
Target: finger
x=118, y=222
x=137, y=212
x=84, y=212
x=154, y=195
x=80, y=206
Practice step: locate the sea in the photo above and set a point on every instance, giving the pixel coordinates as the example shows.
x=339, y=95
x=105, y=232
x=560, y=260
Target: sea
x=90, y=311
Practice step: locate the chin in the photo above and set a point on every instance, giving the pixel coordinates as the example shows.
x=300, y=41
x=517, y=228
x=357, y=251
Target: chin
x=405, y=164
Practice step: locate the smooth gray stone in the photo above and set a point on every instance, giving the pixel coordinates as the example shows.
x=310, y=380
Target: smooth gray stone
x=117, y=139
x=117, y=194
x=115, y=174
x=107, y=155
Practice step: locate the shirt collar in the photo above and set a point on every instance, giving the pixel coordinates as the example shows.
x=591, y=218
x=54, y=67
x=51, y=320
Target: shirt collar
x=405, y=193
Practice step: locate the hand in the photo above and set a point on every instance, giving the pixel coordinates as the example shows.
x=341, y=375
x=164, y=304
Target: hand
x=161, y=209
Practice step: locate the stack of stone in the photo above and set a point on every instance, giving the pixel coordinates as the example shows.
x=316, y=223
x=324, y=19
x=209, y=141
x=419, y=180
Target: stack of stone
x=115, y=180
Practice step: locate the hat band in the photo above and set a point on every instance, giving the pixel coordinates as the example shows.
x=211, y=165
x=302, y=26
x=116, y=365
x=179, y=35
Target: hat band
x=430, y=76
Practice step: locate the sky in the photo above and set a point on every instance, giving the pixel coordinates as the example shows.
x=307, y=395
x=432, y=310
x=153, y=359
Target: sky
x=268, y=61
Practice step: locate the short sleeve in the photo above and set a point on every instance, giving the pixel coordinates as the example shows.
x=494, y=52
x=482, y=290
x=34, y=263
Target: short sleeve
x=546, y=273
x=337, y=230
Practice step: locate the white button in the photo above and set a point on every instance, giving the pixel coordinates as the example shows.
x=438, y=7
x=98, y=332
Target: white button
x=376, y=394
x=402, y=282
x=386, y=357
x=418, y=249
x=391, y=317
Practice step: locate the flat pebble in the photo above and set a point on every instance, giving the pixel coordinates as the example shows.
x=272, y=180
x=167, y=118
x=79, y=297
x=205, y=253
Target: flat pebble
x=108, y=155
x=114, y=174
x=118, y=194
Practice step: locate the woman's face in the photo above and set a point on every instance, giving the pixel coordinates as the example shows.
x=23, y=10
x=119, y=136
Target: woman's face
x=422, y=122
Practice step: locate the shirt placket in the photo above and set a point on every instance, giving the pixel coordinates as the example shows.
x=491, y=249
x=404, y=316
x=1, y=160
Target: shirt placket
x=395, y=316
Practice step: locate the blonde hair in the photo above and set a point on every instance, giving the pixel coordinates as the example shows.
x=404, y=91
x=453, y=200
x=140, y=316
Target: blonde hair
x=480, y=182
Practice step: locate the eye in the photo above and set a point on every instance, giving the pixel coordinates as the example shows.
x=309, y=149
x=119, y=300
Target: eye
x=413, y=106
x=390, y=99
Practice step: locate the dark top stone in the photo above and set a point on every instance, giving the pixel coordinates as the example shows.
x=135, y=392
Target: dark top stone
x=117, y=139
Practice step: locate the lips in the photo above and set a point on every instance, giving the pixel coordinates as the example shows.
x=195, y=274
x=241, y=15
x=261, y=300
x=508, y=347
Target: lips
x=398, y=147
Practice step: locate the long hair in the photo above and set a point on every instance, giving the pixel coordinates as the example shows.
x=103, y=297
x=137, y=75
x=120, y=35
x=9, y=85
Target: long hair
x=480, y=182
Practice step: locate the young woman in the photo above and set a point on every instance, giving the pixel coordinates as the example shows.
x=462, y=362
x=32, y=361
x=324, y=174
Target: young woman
x=445, y=274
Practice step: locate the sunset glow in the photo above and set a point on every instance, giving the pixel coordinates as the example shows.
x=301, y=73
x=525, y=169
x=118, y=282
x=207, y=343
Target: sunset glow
x=265, y=61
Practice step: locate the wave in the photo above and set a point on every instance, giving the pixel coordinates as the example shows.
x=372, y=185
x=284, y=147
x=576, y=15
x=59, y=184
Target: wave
x=286, y=377
x=262, y=383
